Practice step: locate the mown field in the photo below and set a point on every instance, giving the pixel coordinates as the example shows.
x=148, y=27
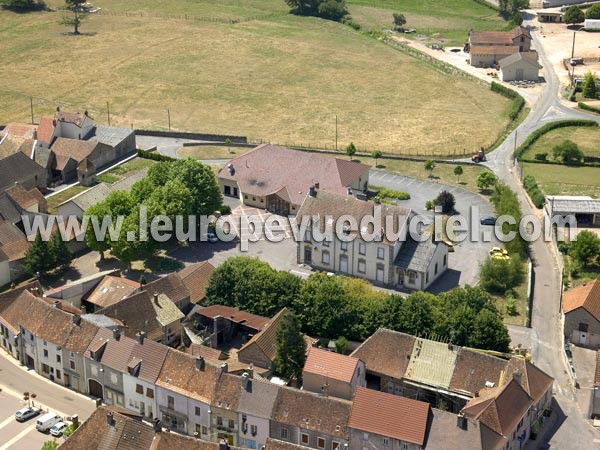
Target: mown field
x=587, y=138
x=445, y=21
x=244, y=68
x=555, y=179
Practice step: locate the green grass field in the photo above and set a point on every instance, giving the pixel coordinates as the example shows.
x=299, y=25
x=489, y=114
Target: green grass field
x=445, y=21
x=271, y=76
x=63, y=196
x=564, y=180
x=587, y=138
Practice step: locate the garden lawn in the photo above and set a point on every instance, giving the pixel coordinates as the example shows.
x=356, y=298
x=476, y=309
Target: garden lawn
x=554, y=179
x=244, y=68
x=63, y=196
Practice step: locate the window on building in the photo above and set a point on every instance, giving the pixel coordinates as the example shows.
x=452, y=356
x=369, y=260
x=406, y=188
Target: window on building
x=362, y=248
x=149, y=393
x=139, y=389
x=362, y=266
x=284, y=433
x=325, y=243
x=386, y=441
x=445, y=260
x=204, y=429
x=45, y=369
x=335, y=445
x=219, y=421
x=57, y=358
x=31, y=336
x=308, y=236
x=198, y=429
x=321, y=442
x=197, y=410
x=404, y=446
x=72, y=364
x=45, y=353
x=380, y=252
x=304, y=438
x=583, y=327
x=365, y=436
x=344, y=246
x=170, y=402
x=412, y=276
x=231, y=423
x=325, y=257
x=58, y=374
x=435, y=269
x=253, y=430
x=45, y=343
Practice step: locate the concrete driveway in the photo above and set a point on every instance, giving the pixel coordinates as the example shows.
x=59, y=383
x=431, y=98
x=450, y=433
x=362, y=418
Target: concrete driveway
x=465, y=261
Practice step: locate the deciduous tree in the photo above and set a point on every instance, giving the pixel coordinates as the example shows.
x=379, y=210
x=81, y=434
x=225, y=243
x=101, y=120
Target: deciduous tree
x=399, y=21
x=458, y=171
x=290, y=349
x=446, y=200
x=586, y=249
x=590, y=89
x=485, y=180
x=351, y=150
x=429, y=166
x=574, y=14
x=376, y=154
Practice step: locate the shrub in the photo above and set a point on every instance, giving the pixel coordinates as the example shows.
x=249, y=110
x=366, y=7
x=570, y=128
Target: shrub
x=351, y=23
x=569, y=152
x=541, y=156
x=332, y=10
x=535, y=194
x=564, y=247
x=225, y=210
x=429, y=205
x=446, y=200
x=153, y=156
x=500, y=276
x=588, y=107
x=511, y=305
x=574, y=14
x=593, y=12
x=383, y=192
x=589, y=88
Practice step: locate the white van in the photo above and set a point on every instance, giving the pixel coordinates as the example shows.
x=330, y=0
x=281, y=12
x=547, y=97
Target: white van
x=46, y=422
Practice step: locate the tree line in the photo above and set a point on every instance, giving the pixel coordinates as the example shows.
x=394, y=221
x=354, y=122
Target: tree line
x=334, y=306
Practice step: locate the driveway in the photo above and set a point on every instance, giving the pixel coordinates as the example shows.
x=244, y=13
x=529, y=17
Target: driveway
x=465, y=261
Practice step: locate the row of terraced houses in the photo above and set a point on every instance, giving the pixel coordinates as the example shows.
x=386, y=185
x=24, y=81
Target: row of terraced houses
x=394, y=391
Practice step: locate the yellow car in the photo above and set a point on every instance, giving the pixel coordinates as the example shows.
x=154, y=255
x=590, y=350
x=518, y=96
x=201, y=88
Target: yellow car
x=498, y=251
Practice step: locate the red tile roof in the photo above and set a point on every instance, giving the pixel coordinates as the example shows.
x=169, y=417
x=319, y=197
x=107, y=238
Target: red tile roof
x=75, y=118
x=112, y=290
x=13, y=242
x=270, y=169
x=65, y=149
x=22, y=130
x=389, y=415
x=494, y=49
x=330, y=364
x=586, y=296
x=235, y=315
x=208, y=353
x=26, y=198
x=195, y=277
x=45, y=130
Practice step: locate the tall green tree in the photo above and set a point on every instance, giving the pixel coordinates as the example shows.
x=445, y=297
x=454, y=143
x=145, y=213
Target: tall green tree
x=574, y=14
x=304, y=7
x=593, y=12
x=446, y=200
x=59, y=252
x=351, y=150
x=399, y=21
x=290, y=349
x=429, y=166
x=489, y=332
x=128, y=247
x=485, y=180
x=568, y=152
x=458, y=171
x=142, y=190
x=376, y=154
x=590, y=89
x=38, y=258
x=77, y=14
x=586, y=249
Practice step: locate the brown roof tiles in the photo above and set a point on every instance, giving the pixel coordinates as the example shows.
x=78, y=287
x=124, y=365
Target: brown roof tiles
x=27, y=198
x=195, y=277
x=265, y=340
x=586, y=296
x=45, y=130
x=330, y=364
x=170, y=285
x=389, y=415
x=112, y=290
x=75, y=149
x=270, y=169
x=473, y=370
x=235, y=315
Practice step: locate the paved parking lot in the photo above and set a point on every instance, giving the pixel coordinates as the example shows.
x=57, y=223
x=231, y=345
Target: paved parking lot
x=15, y=435
x=279, y=226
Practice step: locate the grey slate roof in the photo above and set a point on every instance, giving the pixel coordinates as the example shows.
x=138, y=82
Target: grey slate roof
x=259, y=399
x=42, y=155
x=111, y=136
x=416, y=255
x=573, y=204
x=101, y=320
x=9, y=210
x=91, y=196
x=17, y=168
x=519, y=56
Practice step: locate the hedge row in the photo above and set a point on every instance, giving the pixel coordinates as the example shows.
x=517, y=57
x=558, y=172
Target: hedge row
x=506, y=202
x=518, y=102
x=559, y=163
x=589, y=107
x=533, y=137
x=535, y=194
x=153, y=156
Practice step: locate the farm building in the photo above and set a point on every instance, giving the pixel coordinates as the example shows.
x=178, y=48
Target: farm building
x=520, y=67
x=487, y=48
x=550, y=16
x=592, y=24
x=585, y=209
x=581, y=307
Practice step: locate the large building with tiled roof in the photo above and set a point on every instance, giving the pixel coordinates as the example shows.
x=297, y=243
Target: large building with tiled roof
x=488, y=48
x=173, y=287
x=278, y=179
x=379, y=249
x=110, y=290
x=309, y=419
x=581, y=307
x=20, y=168
x=331, y=373
x=260, y=349
x=195, y=277
x=381, y=420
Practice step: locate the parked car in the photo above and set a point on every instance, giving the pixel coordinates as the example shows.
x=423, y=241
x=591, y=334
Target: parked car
x=26, y=413
x=487, y=220
x=59, y=428
x=46, y=422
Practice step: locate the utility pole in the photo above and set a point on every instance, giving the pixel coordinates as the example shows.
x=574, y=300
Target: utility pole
x=516, y=133
x=169, y=117
x=336, y=132
x=573, y=49
x=31, y=106
x=108, y=113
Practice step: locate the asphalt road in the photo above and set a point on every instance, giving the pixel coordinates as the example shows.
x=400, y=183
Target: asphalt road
x=575, y=432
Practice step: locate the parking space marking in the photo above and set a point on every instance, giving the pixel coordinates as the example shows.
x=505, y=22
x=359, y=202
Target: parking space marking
x=18, y=437
x=6, y=422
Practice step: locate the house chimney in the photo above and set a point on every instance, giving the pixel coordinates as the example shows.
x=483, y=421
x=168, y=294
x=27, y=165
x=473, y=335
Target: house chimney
x=75, y=420
x=58, y=109
x=140, y=336
x=85, y=113
x=518, y=377
x=461, y=421
x=231, y=169
x=224, y=368
x=76, y=319
x=110, y=419
x=312, y=191
x=57, y=304
x=317, y=185
x=157, y=425
x=82, y=309
x=200, y=363
x=223, y=445
x=156, y=300
x=117, y=334
x=245, y=380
